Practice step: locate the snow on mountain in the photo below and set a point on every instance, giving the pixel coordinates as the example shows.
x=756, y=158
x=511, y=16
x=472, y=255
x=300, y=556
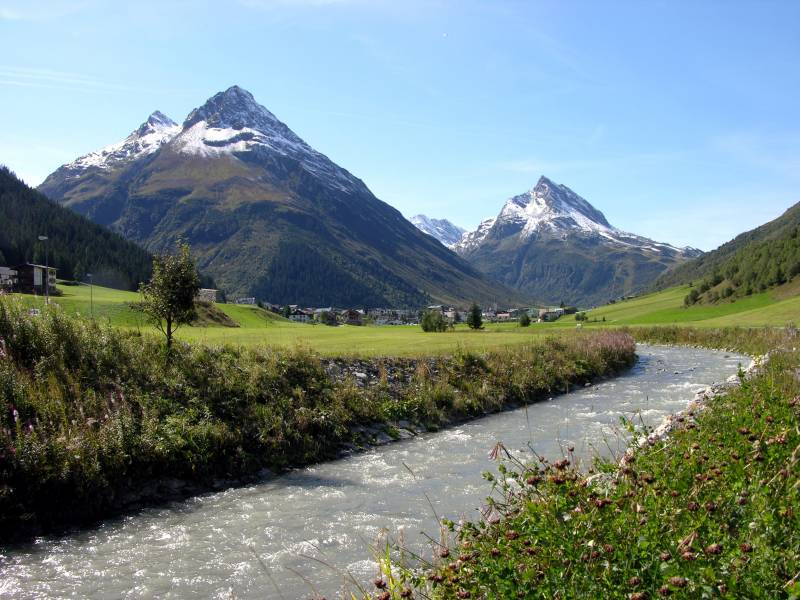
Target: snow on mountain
x=146, y=139
x=442, y=229
x=232, y=122
x=551, y=208
x=472, y=239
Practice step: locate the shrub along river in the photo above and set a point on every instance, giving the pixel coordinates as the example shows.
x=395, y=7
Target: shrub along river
x=299, y=534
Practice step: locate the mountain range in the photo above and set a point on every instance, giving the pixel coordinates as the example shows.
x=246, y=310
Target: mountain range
x=266, y=214
x=553, y=245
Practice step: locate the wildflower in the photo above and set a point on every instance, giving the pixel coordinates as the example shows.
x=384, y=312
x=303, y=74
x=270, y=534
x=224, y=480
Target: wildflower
x=379, y=583
x=405, y=593
x=664, y=591
x=384, y=596
x=436, y=578
x=713, y=549
x=444, y=552
x=638, y=596
x=495, y=451
x=687, y=556
x=495, y=551
x=746, y=547
x=463, y=594
x=678, y=582
x=608, y=548
x=511, y=534
x=634, y=581
x=665, y=556
x=710, y=507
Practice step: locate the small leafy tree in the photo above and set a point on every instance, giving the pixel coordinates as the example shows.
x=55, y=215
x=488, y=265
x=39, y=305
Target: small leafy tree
x=286, y=311
x=524, y=320
x=475, y=317
x=168, y=298
x=433, y=320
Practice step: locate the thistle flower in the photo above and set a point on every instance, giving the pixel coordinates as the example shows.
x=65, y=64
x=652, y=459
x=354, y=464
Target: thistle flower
x=678, y=582
x=713, y=549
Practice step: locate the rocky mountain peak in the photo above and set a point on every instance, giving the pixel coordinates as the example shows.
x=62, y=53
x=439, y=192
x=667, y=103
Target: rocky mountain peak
x=549, y=205
x=157, y=121
x=236, y=108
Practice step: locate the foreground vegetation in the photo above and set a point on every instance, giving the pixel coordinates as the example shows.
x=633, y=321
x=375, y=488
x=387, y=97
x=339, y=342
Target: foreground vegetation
x=712, y=511
x=92, y=415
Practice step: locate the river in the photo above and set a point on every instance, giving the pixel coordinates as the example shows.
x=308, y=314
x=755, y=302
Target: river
x=302, y=532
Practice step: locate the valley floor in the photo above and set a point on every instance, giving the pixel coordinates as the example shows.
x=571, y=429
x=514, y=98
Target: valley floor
x=260, y=328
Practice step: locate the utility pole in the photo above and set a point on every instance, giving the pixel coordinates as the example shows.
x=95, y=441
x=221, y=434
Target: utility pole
x=91, y=295
x=43, y=238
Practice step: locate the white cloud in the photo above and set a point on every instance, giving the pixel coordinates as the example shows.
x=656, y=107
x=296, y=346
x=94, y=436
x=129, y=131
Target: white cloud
x=62, y=80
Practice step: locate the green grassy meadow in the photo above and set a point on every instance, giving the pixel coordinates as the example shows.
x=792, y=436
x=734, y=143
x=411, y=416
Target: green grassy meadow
x=260, y=328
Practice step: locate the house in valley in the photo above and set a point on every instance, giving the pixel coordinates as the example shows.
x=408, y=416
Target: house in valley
x=207, y=295
x=550, y=314
x=351, y=316
x=35, y=279
x=8, y=279
x=301, y=315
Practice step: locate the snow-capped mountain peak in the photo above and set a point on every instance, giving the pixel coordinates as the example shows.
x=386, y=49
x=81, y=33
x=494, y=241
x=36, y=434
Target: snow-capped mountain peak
x=146, y=139
x=442, y=229
x=232, y=123
x=554, y=210
x=549, y=205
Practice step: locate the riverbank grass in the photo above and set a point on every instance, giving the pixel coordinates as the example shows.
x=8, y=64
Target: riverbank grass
x=94, y=418
x=712, y=511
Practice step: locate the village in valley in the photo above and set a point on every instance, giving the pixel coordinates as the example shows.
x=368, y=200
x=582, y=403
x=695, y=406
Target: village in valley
x=31, y=279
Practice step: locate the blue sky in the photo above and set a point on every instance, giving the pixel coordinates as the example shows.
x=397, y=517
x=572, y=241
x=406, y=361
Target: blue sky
x=678, y=119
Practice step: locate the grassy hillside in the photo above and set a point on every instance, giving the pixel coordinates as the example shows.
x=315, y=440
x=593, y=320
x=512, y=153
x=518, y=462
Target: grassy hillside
x=716, y=260
x=775, y=307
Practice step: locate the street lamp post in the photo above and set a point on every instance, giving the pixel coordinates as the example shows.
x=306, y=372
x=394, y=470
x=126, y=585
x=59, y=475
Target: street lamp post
x=43, y=238
x=91, y=295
